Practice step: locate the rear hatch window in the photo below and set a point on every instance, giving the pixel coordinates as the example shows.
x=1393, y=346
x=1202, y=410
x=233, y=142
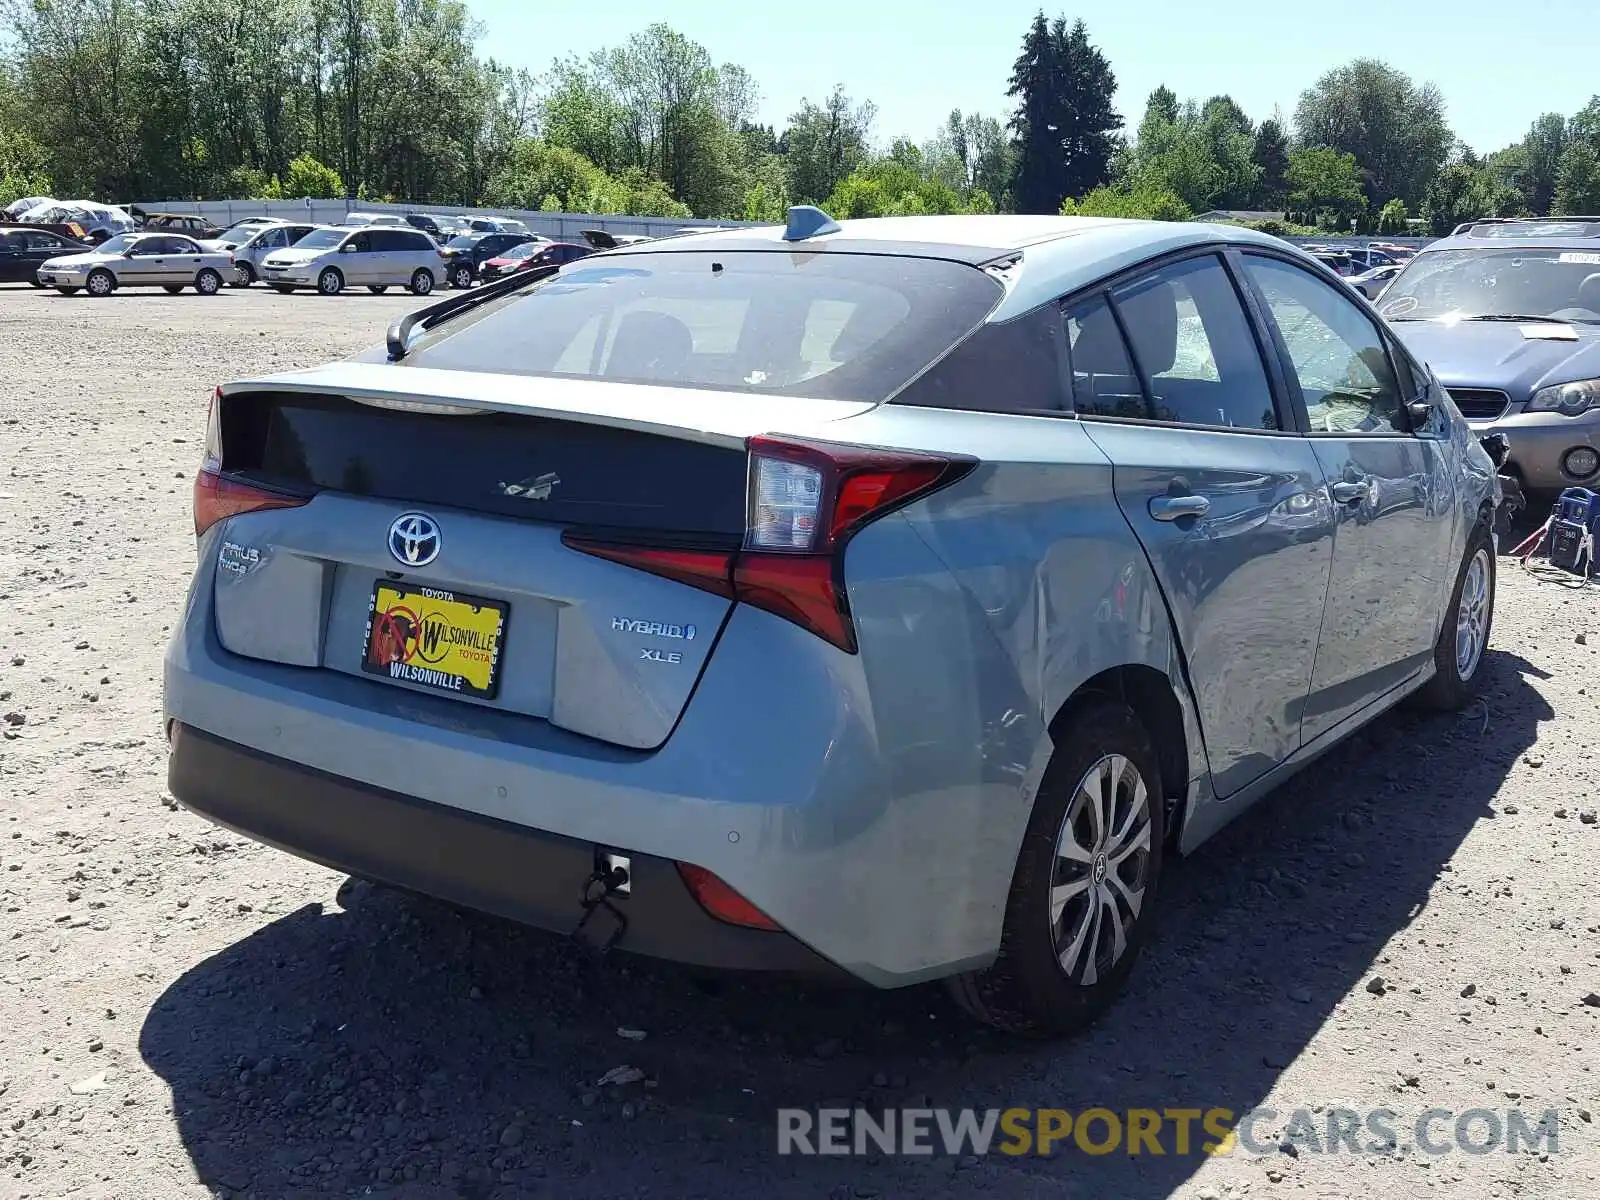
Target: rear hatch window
x=825, y=325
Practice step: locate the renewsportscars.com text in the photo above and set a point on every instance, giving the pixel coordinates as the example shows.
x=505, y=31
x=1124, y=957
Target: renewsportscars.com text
x=1174, y=1131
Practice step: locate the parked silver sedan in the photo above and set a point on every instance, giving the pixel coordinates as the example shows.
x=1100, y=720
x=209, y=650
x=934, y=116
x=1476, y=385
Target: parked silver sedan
x=165, y=260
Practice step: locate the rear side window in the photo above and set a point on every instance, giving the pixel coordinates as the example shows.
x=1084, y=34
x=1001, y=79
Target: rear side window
x=1011, y=366
x=1104, y=381
x=824, y=325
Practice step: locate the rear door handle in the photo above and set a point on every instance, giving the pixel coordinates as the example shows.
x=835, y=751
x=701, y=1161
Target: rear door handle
x=1175, y=508
x=1349, y=493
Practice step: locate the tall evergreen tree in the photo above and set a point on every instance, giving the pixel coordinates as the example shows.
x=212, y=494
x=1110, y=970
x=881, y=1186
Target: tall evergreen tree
x=1162, y=105
x=1035, y=82
x=1089, y=122
x=1271, y=155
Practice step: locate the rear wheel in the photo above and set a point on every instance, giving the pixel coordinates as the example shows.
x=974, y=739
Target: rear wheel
x=377, y=289
x=421, y=281
x=330, y=282
x=1464, y=634
x=207, y=282
x=243, y=275
x=101, y=282
x=1083, y=894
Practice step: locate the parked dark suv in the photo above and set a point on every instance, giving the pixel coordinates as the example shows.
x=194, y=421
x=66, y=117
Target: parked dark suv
x=465, y=255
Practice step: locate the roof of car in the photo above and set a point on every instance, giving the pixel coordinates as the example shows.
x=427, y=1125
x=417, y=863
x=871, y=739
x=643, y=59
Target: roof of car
x=1579, y=232
x=1053, y=255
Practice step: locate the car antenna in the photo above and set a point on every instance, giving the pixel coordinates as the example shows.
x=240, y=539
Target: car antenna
x=807, y=221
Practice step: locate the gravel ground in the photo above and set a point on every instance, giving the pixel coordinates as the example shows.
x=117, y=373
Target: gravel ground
x=1410, y=924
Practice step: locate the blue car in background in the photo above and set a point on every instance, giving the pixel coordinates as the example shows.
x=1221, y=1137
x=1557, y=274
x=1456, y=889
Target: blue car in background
x=882, y=599
x=1507, y=313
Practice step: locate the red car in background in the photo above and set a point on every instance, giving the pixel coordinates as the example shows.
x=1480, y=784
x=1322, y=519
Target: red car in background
x=531, y=256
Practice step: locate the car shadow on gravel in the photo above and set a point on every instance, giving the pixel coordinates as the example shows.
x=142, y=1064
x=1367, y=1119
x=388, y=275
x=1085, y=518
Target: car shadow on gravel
x=393, y=1044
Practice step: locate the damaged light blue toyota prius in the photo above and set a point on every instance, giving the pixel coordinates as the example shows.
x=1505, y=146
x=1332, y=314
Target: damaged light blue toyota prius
x=880, y=599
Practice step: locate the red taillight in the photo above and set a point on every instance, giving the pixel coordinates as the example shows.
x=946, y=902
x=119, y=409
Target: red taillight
x=721, y=901
x=805, y=501
x=217, y=497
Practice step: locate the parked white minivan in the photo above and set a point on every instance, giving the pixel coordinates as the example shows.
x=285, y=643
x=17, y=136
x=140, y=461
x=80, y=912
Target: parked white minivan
x=377, y=258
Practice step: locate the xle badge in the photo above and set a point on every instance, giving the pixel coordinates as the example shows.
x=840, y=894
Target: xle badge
x=660, y=656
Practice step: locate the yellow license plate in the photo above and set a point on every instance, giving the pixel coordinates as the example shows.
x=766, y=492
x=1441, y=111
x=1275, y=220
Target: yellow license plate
x=436, y=639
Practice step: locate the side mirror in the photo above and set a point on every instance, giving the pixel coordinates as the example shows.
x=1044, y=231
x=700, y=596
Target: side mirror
x=1420, y=412
x=348, y=248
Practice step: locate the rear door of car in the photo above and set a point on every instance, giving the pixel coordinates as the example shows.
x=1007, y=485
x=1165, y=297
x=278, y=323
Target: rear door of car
x=186, y=259
x=1175, y=383
x=1390, y=487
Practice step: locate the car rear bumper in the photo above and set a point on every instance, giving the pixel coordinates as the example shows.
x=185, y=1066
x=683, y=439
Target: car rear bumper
x=876, y=824
x=495, y=866
x=1540, y=443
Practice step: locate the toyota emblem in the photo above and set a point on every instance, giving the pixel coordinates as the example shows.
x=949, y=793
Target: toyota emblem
x=414, y=539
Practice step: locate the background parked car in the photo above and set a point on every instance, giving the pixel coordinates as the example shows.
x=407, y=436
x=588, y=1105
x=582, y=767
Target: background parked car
x=1336, y=261
x=190, y=226
x=262, y=241
x=23, y=251
x=17, y=207
x=98, y=221
x=602, y=239
x=1371, y=283
x=427, y=224
x=165, y=260
x=239, y=232
x=532, y=256
x=377, y=258
x=465, y=255
x=365, y=220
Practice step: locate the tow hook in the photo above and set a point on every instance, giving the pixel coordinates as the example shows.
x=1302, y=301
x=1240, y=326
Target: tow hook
x=603, y=924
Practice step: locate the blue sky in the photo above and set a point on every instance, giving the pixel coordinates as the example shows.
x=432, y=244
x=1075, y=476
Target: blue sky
x=1499, y=65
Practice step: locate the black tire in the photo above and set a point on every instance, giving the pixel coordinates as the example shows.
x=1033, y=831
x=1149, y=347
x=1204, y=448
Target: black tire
x=1027, y=989
x=35, y=283
x=461, y=277
x=207, y=282
x=243, y=275
x=377, y=289
x=172, y=289
x=330, y=282
x=1455, y=681
x=101, y=282
x=282, y=288
x=67, y=291
x=421, y=282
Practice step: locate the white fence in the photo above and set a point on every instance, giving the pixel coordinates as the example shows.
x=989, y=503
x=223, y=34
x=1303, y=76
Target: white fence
x=564, y=227
x=561, y=226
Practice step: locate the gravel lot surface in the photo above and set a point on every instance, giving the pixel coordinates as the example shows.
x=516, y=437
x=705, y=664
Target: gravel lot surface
x=1410, y=924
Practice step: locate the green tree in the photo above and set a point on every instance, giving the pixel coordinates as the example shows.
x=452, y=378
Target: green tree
x=1325, y=186
x=1270, y=154
x=825, y=143
x=1394, y=129
x=1578, y=181
x=1145, y=204
x=1036, y=78
x=1090, y=125
x=1392, y=219
x=1540, y=162
x=308, y=177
